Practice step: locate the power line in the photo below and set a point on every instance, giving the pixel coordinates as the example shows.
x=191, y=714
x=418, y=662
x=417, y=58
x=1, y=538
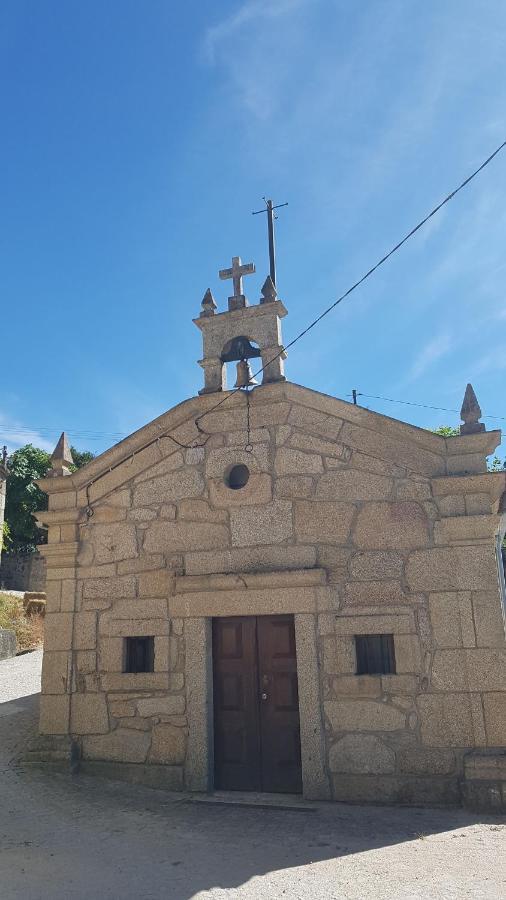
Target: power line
x=361, y=280
x=422, y=405
x=315, y=321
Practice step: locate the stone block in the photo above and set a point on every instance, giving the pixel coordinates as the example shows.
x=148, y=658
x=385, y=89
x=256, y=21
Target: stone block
x=400, y=624
x=141, y=515
x=111, y=652
x=167, y=511
x=363, y=715
x=168, y=745
x=451, y=569
x=84, y=572
x=411, y=489
x=373, y=593
x=223, y=458
x=181, y=485
x=251, y=559
x=122, y=745
x=309, y=443
x=465, y=529
x=172, y=462
x=353, y=484
x=323, y=522
x=89, y=714
x=375, y=565
x=401, y=452
x=114, y=588
x=453, y=505
x=162, y=706
x=478, y=503
x=476, y=669
x=104, y=515
x=58, y=631
x=85, y=631
x=494, y=707
x=166, y=537
x=399, y=789
x=308, y=419
x=446, y=720
x=144, y=563
x=415, y=761
x=361, y=753
x=86, y=662
x=407, y=654
x=466, y=464
x=157, y=583
x=136, y=620
x=334, y=560
x=68, y=596
x=447, y=612
x=269, y=524
x=488, y=619
x=53, y=597
x=257, y=490
x=398, y=526
x=295, y=462
x=200, y=511
x=54, y=714
x=294, y=487
x=113, y=542
x=268, y=414
x=55, y=672
x=399, y=684
x=142, y=681
x=242, y=438
x=357, y=685
x=8, y=646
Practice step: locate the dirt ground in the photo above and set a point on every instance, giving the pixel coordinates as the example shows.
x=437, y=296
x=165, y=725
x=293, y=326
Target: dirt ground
x=65, y=838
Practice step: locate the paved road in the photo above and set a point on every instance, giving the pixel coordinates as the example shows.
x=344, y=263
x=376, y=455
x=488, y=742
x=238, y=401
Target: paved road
x=71, y=839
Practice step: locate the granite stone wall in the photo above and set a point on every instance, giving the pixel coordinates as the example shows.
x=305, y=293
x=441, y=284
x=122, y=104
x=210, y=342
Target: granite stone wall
x=361, y=523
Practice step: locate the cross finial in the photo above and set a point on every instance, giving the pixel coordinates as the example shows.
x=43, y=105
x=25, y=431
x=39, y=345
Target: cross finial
x=470, y=413
x=61, y=458
x=236, y=273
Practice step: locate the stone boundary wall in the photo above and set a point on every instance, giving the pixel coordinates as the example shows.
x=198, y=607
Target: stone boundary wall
x=23, y=572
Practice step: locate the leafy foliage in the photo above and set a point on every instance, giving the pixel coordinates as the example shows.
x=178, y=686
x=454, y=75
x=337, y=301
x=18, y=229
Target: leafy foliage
x=24, y=498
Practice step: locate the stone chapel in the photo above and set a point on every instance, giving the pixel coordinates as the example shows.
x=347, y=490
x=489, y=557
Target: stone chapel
x=271, y=589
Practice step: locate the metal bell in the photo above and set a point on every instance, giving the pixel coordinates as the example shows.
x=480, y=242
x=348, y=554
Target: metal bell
x=244, y=375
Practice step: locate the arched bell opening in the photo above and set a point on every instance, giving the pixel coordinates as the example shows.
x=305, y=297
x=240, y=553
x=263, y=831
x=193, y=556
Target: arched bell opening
x=235, y=357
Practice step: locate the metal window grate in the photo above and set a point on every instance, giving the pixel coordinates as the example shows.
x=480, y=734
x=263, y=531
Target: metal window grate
x=139, y=654
x=375, y=654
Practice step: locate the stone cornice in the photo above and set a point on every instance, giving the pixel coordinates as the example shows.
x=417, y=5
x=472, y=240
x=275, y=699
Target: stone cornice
x=493, y=483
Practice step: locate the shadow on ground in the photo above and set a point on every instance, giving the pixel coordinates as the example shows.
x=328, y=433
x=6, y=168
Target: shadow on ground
x=64, y=837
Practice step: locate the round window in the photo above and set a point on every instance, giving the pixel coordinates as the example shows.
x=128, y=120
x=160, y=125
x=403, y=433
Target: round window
x=237, y=477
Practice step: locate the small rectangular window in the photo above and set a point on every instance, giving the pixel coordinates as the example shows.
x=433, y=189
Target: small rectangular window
x=375, y=654
x=139, y=654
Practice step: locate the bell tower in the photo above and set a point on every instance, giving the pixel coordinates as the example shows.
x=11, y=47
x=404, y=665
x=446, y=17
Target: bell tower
x=242, y=332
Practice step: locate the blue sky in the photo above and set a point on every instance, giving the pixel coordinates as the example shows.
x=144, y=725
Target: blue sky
x=138, y=137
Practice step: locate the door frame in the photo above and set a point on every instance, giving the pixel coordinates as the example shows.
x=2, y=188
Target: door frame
x=199, y=769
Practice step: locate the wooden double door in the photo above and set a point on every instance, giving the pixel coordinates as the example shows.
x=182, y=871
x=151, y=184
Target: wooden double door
x=256, y=705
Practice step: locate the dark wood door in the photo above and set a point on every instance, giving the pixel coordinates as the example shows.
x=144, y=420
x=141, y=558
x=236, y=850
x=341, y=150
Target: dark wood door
x=256, y=708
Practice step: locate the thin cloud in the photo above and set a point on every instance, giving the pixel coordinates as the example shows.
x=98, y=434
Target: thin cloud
x=249, y=12
x=15, y=434
x=430, y=354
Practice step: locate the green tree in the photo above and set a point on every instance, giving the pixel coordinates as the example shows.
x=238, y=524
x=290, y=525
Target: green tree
x=24, y=498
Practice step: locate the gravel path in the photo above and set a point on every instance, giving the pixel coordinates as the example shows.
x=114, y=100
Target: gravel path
x=71, y=839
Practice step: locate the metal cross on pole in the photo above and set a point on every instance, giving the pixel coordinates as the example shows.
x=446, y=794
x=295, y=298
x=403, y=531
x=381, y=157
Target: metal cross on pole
x=269, y=209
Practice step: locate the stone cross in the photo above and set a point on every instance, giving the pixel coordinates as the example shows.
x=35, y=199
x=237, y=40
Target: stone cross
x=236, y=273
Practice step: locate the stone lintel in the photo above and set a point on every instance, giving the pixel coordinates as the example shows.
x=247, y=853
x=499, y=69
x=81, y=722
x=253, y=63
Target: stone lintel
x=246, y=580
x=258, y=602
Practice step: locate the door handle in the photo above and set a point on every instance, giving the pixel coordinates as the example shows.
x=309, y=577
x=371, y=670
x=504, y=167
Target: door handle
x=264, y=696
